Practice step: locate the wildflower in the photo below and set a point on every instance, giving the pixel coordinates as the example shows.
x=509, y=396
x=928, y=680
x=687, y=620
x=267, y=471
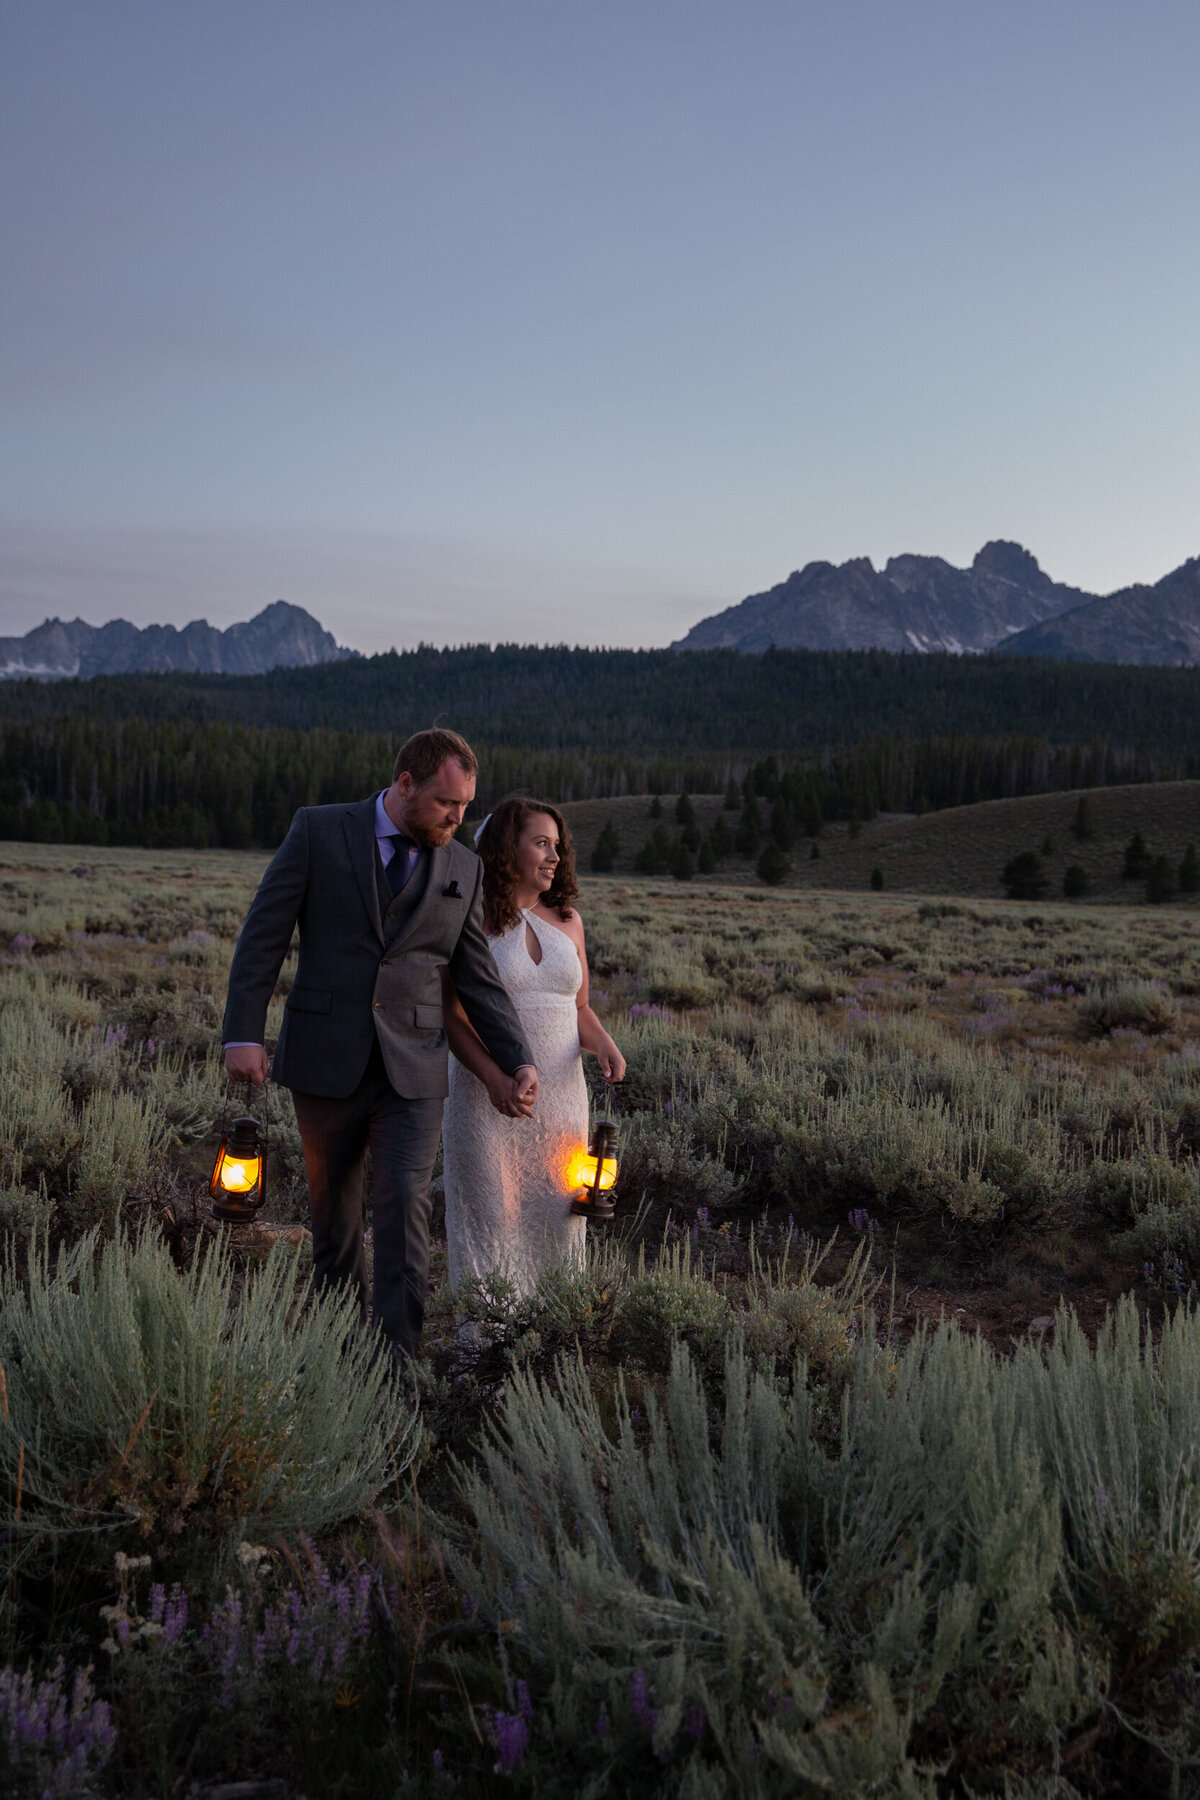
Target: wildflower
x=602, y=1722
x=57, y=1741
x=645, y=1714
x=250, y=1555
x=437, y=1761
x=512, y=1741
x=695, y=1722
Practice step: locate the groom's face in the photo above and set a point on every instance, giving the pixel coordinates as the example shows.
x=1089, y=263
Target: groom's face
x=432, y=812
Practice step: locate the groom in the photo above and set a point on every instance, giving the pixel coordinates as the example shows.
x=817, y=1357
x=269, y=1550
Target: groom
x=384, y=898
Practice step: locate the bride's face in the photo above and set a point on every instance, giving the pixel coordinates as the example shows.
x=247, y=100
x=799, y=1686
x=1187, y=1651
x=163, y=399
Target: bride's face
x=537, y=853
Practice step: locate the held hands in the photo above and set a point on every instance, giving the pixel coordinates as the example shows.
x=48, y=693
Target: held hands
x=514, y=1095
x=246, y=1062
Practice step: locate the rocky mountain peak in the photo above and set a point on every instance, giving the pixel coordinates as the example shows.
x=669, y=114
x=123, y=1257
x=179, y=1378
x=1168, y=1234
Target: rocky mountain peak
x=281, y=636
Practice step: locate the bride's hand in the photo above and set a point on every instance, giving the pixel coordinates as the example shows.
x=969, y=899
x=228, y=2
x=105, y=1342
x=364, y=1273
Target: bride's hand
x=612, y=1063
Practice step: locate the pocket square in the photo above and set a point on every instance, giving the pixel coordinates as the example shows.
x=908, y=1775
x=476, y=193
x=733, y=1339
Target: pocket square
x=453, y=892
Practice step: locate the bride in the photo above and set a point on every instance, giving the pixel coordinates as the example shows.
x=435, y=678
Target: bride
x=508, y=1198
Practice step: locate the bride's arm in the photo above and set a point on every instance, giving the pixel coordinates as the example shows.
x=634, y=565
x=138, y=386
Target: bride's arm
x=592, y=1035
x=464, y=1041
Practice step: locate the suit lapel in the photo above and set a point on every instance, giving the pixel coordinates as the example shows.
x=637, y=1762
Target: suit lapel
x=359, y=827
x=439, y=875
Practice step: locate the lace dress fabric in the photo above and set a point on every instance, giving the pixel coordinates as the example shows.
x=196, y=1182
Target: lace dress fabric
x=507, y=1198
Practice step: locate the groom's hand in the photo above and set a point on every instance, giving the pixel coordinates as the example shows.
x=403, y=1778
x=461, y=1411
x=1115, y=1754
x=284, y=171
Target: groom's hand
x=246, y=1062
x=525, y=1087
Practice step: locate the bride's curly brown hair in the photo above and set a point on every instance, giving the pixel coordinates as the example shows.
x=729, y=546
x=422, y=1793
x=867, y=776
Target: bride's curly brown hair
x=497, y=847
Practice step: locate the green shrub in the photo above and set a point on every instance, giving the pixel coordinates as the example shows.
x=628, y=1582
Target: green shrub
x=1136, y=865
x=1138, y=1005
x=1075, y=882
x=713, y=1601
x=1024, y=877
x=604, y=855
x=1189, y=871
x=1165, y=1239
x=1160, y=881
x=141, y=1396
x=774, y=863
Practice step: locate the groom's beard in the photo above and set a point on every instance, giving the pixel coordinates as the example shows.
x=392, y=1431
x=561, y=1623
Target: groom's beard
x=430, y=838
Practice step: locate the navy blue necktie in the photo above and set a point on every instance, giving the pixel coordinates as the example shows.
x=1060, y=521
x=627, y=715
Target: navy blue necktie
x=404, y=861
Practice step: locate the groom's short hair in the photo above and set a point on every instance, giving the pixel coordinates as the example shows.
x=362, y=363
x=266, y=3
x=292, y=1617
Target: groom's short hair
x=425, y=752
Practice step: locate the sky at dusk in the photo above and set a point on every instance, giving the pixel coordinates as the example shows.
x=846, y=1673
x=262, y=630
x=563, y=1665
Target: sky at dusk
x=558, y=322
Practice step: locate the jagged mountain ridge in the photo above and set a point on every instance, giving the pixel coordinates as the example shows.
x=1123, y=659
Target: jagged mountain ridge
x=1158, y=624
x=281, y=636
x=923, y=603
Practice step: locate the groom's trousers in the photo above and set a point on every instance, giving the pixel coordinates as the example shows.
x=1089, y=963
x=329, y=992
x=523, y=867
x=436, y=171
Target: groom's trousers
x=403, y=1139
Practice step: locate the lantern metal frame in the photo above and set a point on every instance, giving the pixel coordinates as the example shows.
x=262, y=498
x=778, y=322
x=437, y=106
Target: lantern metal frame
x=596, y=1203
x=241, y=1137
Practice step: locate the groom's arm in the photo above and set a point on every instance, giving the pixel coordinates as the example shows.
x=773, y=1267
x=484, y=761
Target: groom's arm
x=484, y=996
x=261, y=948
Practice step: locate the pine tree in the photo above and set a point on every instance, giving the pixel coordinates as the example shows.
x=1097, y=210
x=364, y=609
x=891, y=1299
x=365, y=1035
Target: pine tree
x=1160, y=881
x=685, y=812
x=681, y=864
x=773, y=864
x=1137, y=859
x=750, y=827
x=1189, y=872
x=877, y=878
x=706, y=861
x=721, y=837
x=607, y=845
x=1075, y=882
x=1024, y=877
x=733, y=796
x=783, y=825
x=656, y=807
x=1082, y=827
x=655, y=853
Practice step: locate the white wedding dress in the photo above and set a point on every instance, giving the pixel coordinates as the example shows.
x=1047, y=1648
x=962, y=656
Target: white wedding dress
x=507, y=1192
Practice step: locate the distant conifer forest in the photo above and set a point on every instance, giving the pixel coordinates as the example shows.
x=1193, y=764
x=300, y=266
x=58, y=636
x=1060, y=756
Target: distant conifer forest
x=225, y=760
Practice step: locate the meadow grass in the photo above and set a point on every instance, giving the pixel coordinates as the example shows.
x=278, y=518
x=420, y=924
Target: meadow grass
x=853, y=1123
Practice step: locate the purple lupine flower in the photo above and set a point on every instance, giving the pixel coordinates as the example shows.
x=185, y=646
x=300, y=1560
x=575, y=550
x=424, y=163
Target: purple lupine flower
x=437, y=1761
x=645, y=1714
x=695, y=1722
x=21, y=944
x=512, y=1741
x=702, y=1217
x=175, y=1616
x=69, y=1738
x=602, y=1722
x=524, y=1703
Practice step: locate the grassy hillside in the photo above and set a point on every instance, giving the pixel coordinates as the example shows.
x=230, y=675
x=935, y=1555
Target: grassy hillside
x=960, y=851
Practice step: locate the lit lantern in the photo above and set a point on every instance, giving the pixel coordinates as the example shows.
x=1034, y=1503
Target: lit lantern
x=239, y=1179
x=595, y=1171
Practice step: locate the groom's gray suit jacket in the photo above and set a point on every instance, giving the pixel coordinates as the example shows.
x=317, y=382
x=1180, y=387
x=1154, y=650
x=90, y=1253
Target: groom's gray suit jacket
x=369, y=963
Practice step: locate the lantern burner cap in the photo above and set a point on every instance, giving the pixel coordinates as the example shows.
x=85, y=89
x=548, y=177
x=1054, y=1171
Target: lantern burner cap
x=244, y=1137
